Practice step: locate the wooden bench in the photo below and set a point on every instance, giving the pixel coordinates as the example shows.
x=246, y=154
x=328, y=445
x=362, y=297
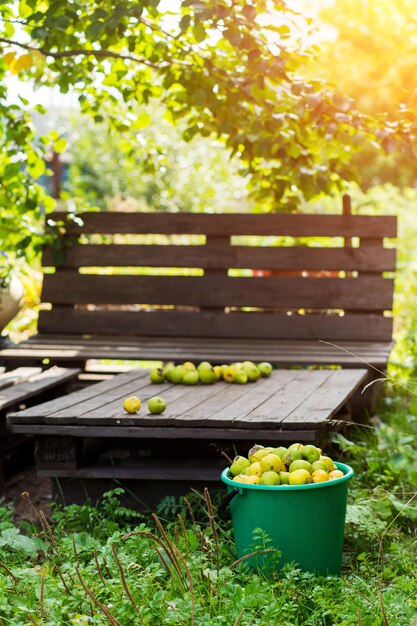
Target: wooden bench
x=20, y=388
x=136, y=286
x=217, y=287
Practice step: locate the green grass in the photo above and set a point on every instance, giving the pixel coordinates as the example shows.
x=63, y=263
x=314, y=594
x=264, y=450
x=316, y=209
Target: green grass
x=111, y=565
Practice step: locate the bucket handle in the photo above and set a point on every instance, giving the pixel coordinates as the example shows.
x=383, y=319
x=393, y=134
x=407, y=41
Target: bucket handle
x=222, y=509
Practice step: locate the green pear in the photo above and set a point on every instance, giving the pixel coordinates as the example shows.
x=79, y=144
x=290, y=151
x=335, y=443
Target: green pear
x=269, y=478
x=284, y=478
x=156, y=405
x=252, y=372
x=167, y=371
x=256, y=448
x=319, y=465
x=301, y=464
x=291, y=455
x=271, y=462
x=310, y=453
x=279, y=451
x=204, y=365
x=157, y=375
x=265, y=369
x=191, y=378
x=241, y=377
x=207, y=375
x=239, y=464
x=189, y=365
x=177, y=374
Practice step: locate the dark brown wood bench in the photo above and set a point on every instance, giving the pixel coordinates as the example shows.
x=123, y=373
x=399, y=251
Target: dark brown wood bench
x=139, y=286
x=218, y=287
x=21, y=388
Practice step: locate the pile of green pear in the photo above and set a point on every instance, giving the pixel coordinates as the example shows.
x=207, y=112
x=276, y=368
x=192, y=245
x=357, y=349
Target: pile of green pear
x=297, y=464
x=190, y=374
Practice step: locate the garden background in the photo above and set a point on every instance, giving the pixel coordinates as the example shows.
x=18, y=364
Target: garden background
x=214, y=106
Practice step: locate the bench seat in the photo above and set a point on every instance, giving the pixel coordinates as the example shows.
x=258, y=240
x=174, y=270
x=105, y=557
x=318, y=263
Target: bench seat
x=67, y=349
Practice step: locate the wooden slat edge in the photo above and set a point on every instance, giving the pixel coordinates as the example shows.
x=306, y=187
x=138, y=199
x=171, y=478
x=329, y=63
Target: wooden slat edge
x=363, y=293
x=232, y=325
x=254, y=257
x=297, y=225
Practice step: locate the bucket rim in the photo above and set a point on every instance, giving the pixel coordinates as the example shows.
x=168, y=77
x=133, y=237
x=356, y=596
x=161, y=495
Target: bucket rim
x=346, y=469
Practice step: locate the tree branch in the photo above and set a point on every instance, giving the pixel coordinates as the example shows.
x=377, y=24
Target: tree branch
x=98, y=54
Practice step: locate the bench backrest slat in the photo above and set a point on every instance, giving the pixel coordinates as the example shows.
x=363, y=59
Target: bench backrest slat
x=293, y=225
x=248, y=257
x=172, y=323
x=371, y=294
x=176, y=274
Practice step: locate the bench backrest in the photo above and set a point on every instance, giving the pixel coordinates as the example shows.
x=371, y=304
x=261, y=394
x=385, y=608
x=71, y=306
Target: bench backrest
x=223, y=275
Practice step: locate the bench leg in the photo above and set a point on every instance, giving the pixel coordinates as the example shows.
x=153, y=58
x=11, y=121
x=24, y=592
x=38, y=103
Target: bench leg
x=54, y=452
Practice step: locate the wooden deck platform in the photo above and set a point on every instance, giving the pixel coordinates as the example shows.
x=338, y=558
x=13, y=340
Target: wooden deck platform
x=87, y=436
x=23, y=387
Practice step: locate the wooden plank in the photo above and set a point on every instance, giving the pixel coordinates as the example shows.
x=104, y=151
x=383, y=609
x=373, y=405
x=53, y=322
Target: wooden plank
x=179, y=399
x=227, y=256
x=189, y=469
x=112, y=410
x=37, y=414
x=38, y=383
x=286, y=401
x=164, y=432
x=18, y=375
x=286, y=398
x=295, y=225
x=241, y=401
x=234, y=402
x=326, y=400
x=102, y=402
x=370, y=294
x=282, y=353
x=171, y=323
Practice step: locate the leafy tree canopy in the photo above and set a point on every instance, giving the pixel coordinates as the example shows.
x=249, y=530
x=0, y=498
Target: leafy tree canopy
x=373, y=47
x=233, y=70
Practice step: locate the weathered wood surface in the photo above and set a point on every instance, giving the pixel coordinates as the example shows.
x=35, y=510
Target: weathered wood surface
x=370, y=294
x=119, y=292
x=288, y=400
x=165, y=470
x=227, y=256
x=234, y=325
x=23, y=386
x=294, y=225
x=67, y=349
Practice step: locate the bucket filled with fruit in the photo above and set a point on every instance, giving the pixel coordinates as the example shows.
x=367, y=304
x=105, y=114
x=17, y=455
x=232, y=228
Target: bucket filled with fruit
x=295, y=499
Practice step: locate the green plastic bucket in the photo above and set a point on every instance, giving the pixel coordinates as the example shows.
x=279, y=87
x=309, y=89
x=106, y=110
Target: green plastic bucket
x=306, y=523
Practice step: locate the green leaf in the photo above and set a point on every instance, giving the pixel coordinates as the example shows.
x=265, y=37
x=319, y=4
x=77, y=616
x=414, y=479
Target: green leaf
x=199, y=32
x=143, y=120
x=60, y=145
x=94, y=30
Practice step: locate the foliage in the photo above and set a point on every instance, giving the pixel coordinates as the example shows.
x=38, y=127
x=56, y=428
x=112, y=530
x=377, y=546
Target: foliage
x=231, y=70
x=373, y=47
x=107, y=564
x=23, y=202
x=153, y=168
